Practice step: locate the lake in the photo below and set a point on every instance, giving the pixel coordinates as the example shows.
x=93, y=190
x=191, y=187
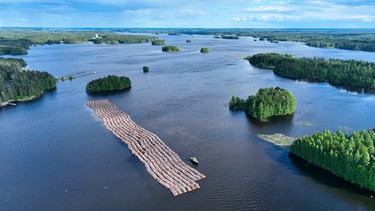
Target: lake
x=56, y=154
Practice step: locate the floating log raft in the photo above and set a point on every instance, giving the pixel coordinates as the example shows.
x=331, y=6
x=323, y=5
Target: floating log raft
x=164, y=165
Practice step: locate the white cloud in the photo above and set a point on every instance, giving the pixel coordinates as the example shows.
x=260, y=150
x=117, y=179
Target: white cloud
x=264, y=17
x=192, y=13
x=269, y=9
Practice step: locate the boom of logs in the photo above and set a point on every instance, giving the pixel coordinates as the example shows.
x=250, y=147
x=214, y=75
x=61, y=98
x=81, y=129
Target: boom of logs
x=161, y=162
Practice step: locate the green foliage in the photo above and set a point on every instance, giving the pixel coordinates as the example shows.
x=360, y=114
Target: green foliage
x=266, y=60
x=158, y=42
x=109, y=83
x=188, y=41
x=266, y=103
x=18, y=84
x=205, y=50
x=351, y=157
x=17, y=42
x=237, y=104
x=170, y=48
x=350, y=74
x=145, y=69
x=12, y=50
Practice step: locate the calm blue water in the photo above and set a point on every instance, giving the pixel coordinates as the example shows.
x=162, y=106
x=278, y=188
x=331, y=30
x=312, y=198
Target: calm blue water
x=55, y=154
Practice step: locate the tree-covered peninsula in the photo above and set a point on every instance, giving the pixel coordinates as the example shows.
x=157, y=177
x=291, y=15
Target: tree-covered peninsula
x=108, y=83
x=18, y=84
x=17, y=41
x=266, y=103
x=351, y=157
x=170, y=48
x=351, y=74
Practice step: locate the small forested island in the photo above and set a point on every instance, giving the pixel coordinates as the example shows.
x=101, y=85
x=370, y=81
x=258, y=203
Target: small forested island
x=18, y=84
x=350, y=74
x=188, y=41
x=18, y=41
x=351, y=157
x=170, y=48
x=158, y=42
x=145, y=69
x=108, y=83
x=205, y=50
x=232, y=37
x=266, y=103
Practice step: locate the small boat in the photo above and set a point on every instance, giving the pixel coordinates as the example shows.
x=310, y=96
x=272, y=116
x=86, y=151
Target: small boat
x=194, y=160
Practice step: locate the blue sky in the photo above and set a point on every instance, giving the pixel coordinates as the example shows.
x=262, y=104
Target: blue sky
x=189, y=14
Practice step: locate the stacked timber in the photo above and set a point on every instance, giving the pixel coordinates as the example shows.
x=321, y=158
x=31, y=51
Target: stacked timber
x=163, y=164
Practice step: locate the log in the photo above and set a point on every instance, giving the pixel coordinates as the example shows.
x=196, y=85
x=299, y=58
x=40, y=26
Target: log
x=163, y=164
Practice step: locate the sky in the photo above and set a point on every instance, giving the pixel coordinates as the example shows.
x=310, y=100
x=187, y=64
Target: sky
x=188, y=13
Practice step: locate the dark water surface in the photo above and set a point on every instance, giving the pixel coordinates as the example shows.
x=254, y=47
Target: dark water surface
x=55, y=154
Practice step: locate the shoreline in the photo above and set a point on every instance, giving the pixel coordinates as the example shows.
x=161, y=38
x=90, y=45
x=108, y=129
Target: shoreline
x=25, y=99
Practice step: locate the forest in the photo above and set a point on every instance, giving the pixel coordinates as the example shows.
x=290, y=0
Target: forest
x=266, y=103
x=17, y=41
x=363, y=40
x=108, y=83
x=17, y=84
x=350, y=74
x=351, y=157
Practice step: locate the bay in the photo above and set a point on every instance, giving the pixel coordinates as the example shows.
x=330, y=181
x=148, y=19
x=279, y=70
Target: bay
x=55, y=154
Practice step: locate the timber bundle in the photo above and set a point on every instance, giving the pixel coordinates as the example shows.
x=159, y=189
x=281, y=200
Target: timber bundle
x=161, y=162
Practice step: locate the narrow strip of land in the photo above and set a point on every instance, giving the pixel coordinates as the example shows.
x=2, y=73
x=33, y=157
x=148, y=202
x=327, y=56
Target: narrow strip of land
x=163, y=164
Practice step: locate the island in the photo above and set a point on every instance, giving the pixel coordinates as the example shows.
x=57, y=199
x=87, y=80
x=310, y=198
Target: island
x=158, y=42
x=170, y=48
x=277, y=139
x=351, y=157
x=65, y=77
x=108, y=83
x=352, y=75
x=145, y=69
x=205, y=50
x=188, y=41
x=19, y=84
x=266, y=103
x=230, y=37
